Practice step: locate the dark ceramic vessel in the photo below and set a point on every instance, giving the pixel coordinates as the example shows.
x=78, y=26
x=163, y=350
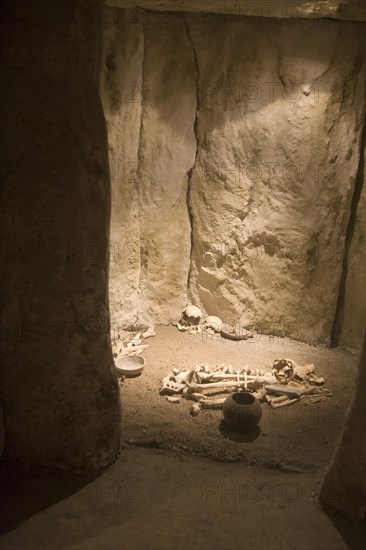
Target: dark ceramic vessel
x=242, y=412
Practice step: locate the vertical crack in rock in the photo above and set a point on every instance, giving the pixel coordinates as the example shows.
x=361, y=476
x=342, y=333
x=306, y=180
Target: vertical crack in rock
x=195, y=131
x=138, y=168
x=359, y=182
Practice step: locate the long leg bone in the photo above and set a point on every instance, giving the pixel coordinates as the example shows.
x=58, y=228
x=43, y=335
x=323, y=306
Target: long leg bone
x=284, y=403
x=222, y=376
x=197, y=387
x=213, y=403
x=251, y=382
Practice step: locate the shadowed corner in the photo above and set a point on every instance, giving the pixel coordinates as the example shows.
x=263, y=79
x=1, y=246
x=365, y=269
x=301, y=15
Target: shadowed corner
x=26, y=492
x=354, y=535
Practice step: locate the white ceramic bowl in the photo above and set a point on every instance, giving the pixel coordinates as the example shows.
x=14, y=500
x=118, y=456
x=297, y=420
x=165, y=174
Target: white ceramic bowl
x=130, y=366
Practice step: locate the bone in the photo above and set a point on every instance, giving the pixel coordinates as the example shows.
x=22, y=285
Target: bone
x=317, y=380
x=186, y=394
x=194, y=329
x=136, y=340
x=213, y=324
x=283, y=390
x=173, y=399
x=149, y=333
x=213, y=403
x=285, y=403
x=195, y=409
x=170, y=387
x=216, y=376
x=217, y=392
x=260, y=394
x=197, y=397
x=197, y=387
x=253, y=382
x=191, y=315
x=279, y=399
x=184, y=376
x=302, y=372
x=128, y=350
x=308, y=390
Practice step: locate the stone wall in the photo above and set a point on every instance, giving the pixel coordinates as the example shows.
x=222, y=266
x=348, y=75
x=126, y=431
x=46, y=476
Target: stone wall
x=149, y=96
x=344, y=487
x=59, y=392
x=354, y=10
x=279, y=149
x=245, y=145
x=353, y=320
x=121, y=93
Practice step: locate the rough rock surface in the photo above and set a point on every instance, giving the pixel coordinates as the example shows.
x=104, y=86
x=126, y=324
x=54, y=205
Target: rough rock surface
x=314, y=9
x=152, y=135
x=279, y=127
x=58, y=387
x=121, y=94
x=274, y=120
x=354, y=316
x=166, y=155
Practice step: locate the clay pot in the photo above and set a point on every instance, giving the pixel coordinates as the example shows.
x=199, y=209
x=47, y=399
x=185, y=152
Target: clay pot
x=242, y=411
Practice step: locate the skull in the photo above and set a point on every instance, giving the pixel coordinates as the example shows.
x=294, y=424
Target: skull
x=191, y=316
x=212, y=324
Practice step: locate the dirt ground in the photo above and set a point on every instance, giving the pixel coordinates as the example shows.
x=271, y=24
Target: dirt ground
x=160, y=496
x=151, y=498
x=301, y=437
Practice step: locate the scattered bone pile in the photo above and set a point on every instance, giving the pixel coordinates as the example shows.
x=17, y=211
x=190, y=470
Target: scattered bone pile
x=208, y=387
x=131, y=344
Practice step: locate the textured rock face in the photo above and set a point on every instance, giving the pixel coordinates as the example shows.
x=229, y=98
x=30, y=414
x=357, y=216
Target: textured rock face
x=152, y=142
x=338, y=9
x=354, y=317
x=121, y=93
x=58, y=388
x=344, y=487
x=280, y=120
x=166, y=155
x=255, y=138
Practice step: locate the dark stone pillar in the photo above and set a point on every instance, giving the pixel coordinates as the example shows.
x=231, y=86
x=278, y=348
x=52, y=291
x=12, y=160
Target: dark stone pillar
x=344, y=488
x=58, y=388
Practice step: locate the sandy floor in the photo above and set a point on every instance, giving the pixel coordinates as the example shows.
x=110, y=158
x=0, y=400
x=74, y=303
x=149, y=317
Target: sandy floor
x=153, y=499
x=300, y=437
x=165, y=498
